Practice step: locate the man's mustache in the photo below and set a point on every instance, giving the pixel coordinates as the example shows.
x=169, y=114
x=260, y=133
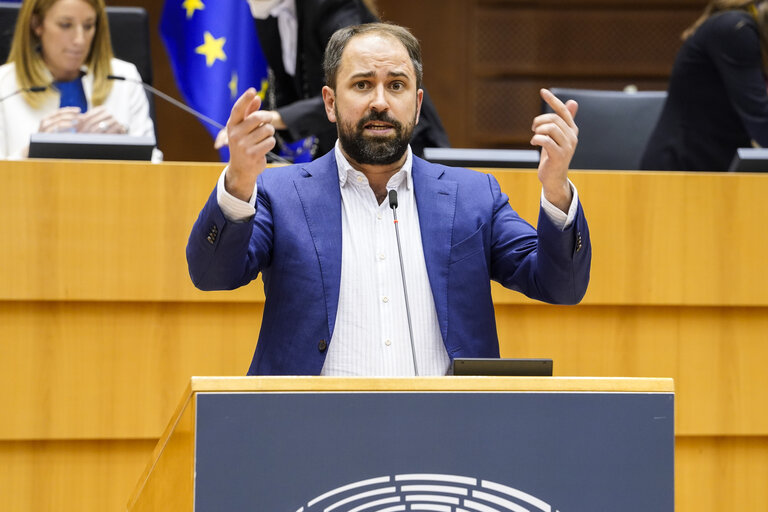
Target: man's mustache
x=379, y=116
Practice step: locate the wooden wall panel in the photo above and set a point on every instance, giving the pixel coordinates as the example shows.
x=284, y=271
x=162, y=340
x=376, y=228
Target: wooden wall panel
x=90, y=370
x=713, y=474
x=575, y=41
x=70, y=476
x=116, y=370
x=715, y=355
x=134, y=235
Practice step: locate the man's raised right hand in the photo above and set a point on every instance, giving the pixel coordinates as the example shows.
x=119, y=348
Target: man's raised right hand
x=251, y=136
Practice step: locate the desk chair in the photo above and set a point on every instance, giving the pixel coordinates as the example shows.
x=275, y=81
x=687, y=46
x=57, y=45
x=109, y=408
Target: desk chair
x=614, y=126
x=129, y=31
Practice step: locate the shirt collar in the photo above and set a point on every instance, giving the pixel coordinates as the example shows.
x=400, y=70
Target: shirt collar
x=346, y=171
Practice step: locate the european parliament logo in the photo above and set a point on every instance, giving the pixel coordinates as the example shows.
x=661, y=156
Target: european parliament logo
x=427, y=492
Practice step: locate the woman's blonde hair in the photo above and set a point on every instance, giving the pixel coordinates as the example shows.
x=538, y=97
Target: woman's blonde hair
x=26, y=52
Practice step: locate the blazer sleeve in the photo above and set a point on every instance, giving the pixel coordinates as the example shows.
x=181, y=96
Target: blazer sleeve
x=547, y=264
x=224, y=255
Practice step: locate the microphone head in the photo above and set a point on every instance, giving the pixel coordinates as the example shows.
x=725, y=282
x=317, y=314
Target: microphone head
x=393, y=199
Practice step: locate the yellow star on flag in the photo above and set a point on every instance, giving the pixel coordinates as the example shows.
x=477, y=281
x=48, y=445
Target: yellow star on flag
x=212, y=48
x=263, y=91
x=191, y=6
x=233, y=85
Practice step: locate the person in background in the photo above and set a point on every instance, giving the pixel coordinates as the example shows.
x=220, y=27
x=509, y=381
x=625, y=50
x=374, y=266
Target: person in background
x=293, y=35
x=55, y=79
x=717, y=99
x=322, y=235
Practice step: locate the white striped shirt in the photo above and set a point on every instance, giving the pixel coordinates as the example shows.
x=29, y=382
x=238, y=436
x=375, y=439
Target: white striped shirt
x=371, y=335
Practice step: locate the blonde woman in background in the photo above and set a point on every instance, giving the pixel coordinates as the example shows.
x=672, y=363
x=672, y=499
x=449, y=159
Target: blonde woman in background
x=55, y=79
x=717, y=99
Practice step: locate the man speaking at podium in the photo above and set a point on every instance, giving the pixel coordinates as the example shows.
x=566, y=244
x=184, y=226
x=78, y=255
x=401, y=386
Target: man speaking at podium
x=349, y=293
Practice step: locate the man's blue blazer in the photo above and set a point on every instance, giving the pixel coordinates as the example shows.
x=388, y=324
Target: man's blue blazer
x=470, y=236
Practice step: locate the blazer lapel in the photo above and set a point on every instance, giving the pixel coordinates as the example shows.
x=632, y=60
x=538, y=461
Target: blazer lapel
x=436, y=202
x=318, y=190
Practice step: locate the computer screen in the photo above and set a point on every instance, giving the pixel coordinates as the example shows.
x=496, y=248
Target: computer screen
x=475, y=157
x=98, y=146
x=750, y=160
x=509, y=367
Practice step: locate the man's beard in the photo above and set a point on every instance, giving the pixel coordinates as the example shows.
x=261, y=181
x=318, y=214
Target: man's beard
x=372, y=150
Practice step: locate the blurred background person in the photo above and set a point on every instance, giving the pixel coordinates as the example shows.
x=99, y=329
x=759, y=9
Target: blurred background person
x=293, y=35
x=717, y=99
x=55, y=79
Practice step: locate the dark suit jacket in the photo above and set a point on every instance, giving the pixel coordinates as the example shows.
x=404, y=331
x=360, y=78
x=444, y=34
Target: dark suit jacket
x=298, y=98
x=716, y=101
x=470, y=236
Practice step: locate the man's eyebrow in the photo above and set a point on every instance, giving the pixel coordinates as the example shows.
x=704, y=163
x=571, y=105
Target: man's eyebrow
x=362, y=74
x=369, y=74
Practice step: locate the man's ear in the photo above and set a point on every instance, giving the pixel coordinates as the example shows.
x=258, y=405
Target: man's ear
x=419, y=99
x=329, y=98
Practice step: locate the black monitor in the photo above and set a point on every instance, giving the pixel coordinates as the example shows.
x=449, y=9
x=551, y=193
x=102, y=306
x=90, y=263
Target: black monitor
x=750, y=160
x=91, y=146
x=476, y=157
x=502, y=367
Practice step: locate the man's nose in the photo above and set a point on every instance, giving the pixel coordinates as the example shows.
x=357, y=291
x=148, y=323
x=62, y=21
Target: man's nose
x=379, y=100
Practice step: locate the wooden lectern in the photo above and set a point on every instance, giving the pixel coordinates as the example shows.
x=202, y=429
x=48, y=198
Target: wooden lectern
x=310, y=444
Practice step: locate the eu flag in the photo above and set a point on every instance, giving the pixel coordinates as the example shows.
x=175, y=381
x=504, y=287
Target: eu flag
x=215, y=54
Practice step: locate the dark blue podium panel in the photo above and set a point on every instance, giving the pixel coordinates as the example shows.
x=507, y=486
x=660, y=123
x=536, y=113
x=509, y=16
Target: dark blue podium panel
x=436, y=451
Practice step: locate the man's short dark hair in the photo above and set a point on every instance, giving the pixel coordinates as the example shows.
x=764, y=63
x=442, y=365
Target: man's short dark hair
x=340, y=38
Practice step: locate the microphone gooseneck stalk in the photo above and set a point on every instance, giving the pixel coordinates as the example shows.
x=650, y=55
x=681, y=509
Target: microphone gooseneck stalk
x=393, y=205
x=171, y=100
x=186, y=108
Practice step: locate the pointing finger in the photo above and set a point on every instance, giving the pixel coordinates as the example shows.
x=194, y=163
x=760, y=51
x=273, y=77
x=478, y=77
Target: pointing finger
x=559, y=107
x=241, y=107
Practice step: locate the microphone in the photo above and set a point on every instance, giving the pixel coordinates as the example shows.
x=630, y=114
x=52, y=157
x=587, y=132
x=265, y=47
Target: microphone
x=199, y=115
x=393, y=205
x=34, y=88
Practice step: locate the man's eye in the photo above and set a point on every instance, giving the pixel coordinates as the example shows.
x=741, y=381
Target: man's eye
x=397, y=86
x=361, y=85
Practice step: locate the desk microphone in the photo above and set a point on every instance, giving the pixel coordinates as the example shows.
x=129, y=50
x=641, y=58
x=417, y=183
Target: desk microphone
x=199, y=115
x=393, y=205
x=34, y=88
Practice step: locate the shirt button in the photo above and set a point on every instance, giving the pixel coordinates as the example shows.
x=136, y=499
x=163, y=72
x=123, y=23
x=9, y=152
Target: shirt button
x=378, y=216
x=382, y=256
x=359, y=179
x=387, y=342
x=385, y=299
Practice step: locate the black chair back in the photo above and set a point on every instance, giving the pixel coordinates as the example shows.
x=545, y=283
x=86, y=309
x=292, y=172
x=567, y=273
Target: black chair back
x=614, y=126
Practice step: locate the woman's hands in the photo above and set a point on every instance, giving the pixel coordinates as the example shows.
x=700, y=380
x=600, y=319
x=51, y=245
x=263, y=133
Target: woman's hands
x=69, y=119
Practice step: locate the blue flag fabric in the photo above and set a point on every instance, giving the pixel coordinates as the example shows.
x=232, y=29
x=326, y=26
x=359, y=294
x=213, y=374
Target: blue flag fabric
x=214, y=53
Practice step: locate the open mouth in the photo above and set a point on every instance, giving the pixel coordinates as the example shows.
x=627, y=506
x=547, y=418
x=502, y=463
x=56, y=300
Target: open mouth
x=378, y=126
